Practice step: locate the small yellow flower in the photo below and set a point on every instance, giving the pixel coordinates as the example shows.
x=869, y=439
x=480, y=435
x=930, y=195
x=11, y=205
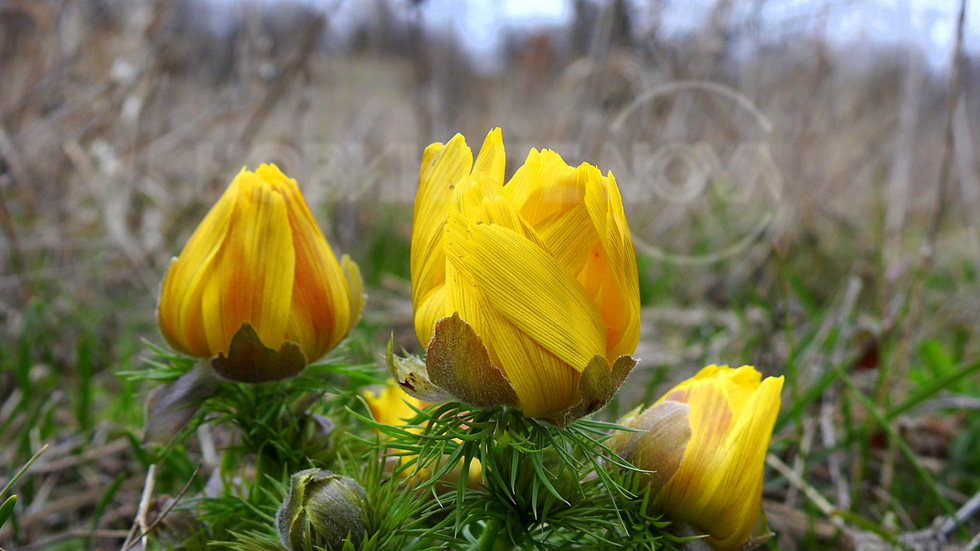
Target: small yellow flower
x=257, y=288
x=391, y=405
x=526, y=294
x=705, y=442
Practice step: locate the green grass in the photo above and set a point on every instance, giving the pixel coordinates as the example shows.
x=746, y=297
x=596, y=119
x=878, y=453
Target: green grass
x=903, y=456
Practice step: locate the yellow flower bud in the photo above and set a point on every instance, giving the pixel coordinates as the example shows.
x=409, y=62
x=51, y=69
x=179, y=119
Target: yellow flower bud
x=257, y=288
x=526, y=294
x=705, y=442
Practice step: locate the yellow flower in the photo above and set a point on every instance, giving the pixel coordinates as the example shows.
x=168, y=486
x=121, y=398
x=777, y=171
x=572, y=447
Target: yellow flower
x=706, y=442
x=525, y=294
x=257, y=288
x=391, y=405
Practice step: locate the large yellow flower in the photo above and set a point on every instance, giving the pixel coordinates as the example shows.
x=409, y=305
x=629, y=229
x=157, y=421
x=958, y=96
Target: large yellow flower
x=525, y=294
x=257, y=287
x=705, y=443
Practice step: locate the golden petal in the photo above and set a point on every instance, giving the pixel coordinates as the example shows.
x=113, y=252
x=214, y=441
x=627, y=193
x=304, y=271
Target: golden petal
x=321, y=307
x=442, y=168
x=179, y=312
x=741, y=473
x=611, y=276
x=254, y=270
x=530, y=289
x=492, y=160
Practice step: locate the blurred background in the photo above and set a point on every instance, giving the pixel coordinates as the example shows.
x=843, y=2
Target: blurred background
x=801, y=177
x=737, y=129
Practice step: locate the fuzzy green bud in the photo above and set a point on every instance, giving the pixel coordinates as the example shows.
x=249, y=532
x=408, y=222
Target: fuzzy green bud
x=322, y=509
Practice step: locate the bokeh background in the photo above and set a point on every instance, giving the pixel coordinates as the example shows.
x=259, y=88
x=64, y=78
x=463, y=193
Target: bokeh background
x=801, y=176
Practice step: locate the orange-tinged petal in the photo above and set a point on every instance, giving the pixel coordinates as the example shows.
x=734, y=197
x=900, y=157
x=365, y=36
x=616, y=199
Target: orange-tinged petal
x=321, y=306
x=692, y=487
x=259, y=258
x=742, y=468
x=355, y=290
x=253, y=275
x=611, y=273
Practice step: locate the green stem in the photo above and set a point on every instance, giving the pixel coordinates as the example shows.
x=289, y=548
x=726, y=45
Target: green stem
x=493, y=537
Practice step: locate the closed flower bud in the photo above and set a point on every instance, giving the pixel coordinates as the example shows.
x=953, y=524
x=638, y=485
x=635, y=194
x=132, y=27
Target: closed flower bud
x=322, y=510
x=525, y=294
x=705, y=443
x=257, y=288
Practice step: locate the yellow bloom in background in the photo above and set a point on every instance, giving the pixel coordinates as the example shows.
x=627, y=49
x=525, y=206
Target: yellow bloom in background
x=391, y=405
x=526, y=294
x=706, y=442
x=257, y=288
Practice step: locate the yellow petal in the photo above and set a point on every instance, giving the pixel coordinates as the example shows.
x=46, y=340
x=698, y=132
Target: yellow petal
x=692, y=488
x=442, y=168
x=543, y=382
x=355, y=289
x=611, y=275
x=391, y=405
x=492, y=160
x=253, y=272
x=530, y=289
x=718, y=486
x=320, y=310
x=545, y=187
x=429, y=309
x=742, y=470
x=571, y=237
x=179, y=312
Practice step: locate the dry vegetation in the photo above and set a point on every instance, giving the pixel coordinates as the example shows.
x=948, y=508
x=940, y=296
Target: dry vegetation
x=855, y=272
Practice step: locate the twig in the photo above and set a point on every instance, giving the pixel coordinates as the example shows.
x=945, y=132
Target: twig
x=829, y=438
x=948, y=146
x=962, y=515
x=141, y=517
x=796, y=480
x=974, y=544
x=143, y=509
x=894, y=382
